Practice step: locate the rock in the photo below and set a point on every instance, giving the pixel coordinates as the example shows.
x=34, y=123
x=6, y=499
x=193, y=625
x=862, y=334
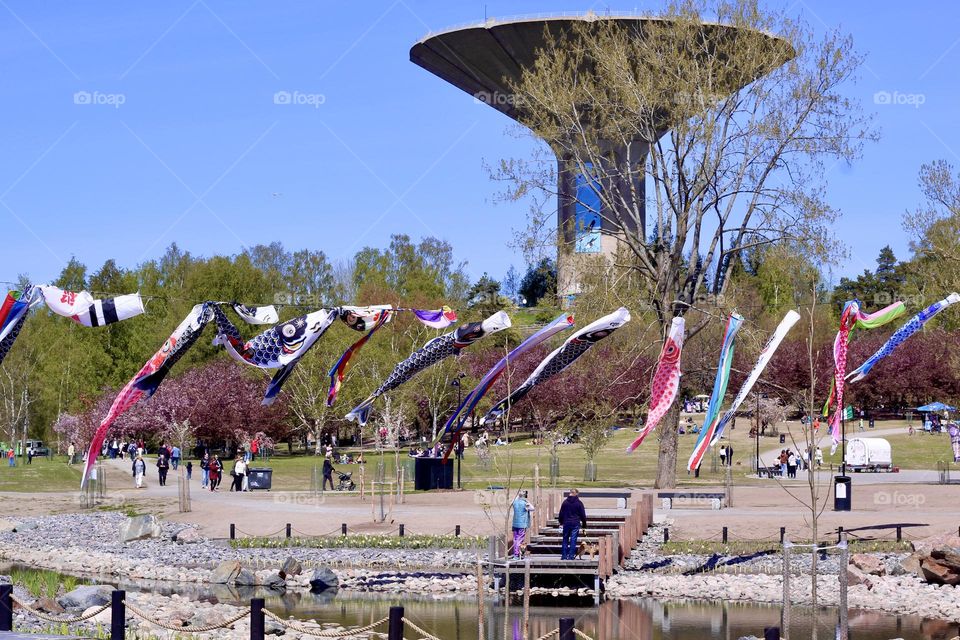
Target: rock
x=49, y=605
x=323, y=579
x=85, y=597
x=942, y=566
x=911, y=565
x=868, y=564
x=926, y=545
x=225, y=572
x=189, y=536
x=273, y=628
x=855, y=576
x=291, y=567
x=6, y=526
x=275, y=582
x=245, y=579
x=140, y=528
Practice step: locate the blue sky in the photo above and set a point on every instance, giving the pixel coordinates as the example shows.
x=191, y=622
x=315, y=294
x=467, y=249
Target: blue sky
x=127, y=126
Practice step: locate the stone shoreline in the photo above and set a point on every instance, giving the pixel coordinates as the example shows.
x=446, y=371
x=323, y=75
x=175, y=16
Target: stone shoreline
x=89, y=545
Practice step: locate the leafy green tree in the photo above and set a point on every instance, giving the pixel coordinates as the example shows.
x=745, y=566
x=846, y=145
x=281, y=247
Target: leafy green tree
x=539, y=283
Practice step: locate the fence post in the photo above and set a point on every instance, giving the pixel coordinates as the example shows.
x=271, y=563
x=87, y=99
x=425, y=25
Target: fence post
x=456, y=531
x=289, y=530
x=343, y=529
x=118, y=615
x=566, y=628
x=783, y=534
x=899, y=533
x=666, y=535
x=395, y=626
x=844, y=563
x=785, y=611
x=724, y=535
x=401, y=530
x=233, y=531
x=256, y=619
x=6, y=607
x=839, y=535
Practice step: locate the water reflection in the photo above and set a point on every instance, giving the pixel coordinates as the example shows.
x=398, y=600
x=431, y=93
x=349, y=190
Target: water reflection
x=453, y=617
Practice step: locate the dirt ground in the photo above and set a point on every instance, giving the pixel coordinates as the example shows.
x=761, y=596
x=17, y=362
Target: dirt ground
x=758, y=512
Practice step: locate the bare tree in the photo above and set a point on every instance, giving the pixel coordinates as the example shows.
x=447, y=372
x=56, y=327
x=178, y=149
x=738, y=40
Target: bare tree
x=723, y=130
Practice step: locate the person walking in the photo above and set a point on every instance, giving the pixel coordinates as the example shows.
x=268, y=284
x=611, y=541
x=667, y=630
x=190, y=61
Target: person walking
x=216, y=468
x=11, y=460
x=818, y=457
x=521, y=522
x=328, y=471
x=189, y=470
x=572, y=518
x=139, y=468
x=30, y=454
x=783, y=463
x=723, y=455
x=791, y=465
x=175, y=457
x=71, y=454
x=163, y=465
x=239, y=473
x=205, y=471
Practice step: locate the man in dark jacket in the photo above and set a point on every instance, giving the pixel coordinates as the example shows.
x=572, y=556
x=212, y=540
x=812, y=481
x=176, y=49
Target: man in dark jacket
x=328, y=472
x=572, y=517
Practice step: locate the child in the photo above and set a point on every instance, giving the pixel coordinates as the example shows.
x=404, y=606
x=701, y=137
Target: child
x=189, y=469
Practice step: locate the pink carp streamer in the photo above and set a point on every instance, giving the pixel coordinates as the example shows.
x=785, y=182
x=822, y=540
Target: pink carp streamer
x=852, y=318
x=666, y=380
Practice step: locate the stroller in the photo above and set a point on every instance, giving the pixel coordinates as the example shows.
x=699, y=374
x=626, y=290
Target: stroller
x=346, y=484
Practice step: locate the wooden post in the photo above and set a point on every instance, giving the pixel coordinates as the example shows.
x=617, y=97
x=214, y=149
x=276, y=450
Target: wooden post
x=233, y=531
x=401, y=530
x=724, y=535
x=343, y=529
x=844, y=563
x=395, y=626
x=785, y=610
x=899, y=533
x=289, y=530
x=783, y=534
x=666, y=535
x=118, y=615
x=480, y=598
x=456, y=531
x=256, y=619
x=566, y=629
x=526, y=598
x=6, y=607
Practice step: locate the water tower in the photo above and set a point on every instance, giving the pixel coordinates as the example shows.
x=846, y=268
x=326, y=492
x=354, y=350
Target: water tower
x=485, y=59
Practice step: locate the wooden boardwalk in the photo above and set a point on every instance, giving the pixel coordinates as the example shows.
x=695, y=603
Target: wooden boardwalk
x=614, y=530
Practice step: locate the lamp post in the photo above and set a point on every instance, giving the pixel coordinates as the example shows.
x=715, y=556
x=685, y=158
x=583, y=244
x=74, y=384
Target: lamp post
x=456, y=383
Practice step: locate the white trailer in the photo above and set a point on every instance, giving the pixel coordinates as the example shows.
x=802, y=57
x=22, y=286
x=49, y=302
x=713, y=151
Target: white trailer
x=868, y=454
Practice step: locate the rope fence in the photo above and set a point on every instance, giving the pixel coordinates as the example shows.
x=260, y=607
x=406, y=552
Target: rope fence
x=287, y=532
x=119, y=606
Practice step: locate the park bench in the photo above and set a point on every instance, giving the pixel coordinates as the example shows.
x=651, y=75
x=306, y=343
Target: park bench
x=717, y=500
x=620, y=496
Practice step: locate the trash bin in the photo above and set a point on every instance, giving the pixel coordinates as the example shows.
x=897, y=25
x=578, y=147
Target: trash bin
x=259, y=478
x=432, y=473
x=783, y=438
x=842, y=497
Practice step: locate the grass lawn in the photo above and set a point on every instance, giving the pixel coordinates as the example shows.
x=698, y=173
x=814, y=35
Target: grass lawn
x=908, y=452
x=42, y=475
x=515, y=463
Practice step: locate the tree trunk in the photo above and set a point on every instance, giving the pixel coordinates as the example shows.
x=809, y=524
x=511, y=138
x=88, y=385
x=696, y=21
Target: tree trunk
x=667, y=463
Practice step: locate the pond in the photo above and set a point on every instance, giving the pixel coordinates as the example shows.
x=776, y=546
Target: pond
x=455, y=618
